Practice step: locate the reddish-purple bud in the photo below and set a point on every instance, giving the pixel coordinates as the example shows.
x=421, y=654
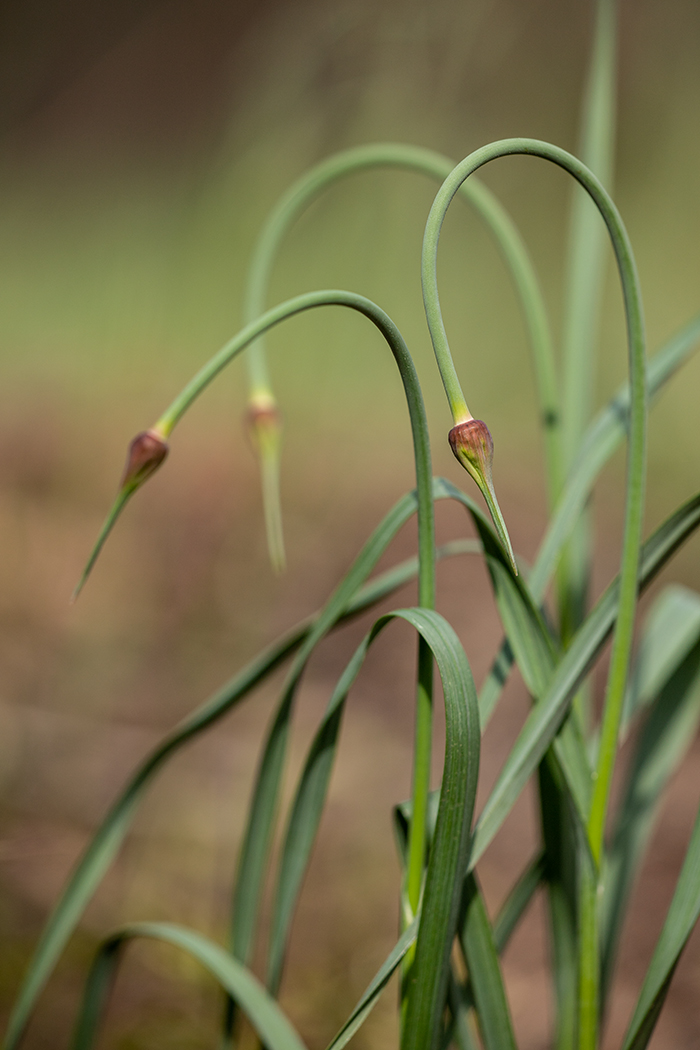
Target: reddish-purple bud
x=146, y=453
x=472, y=444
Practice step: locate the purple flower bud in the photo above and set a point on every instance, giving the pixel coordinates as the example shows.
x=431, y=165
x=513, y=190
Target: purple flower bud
x=146, y=453
x=472, y=444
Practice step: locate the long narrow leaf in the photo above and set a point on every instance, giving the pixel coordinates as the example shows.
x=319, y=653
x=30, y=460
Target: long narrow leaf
x=264, y=804
x=486, y=980
x=671, y=630
x=532, y=645
x=448, y=853
x=666, y=737
x=448, y=856
x=603, y=436
x=376, y=986
x=110, y=835
x=680, y=920
x=547, y=715
x=261, y=1009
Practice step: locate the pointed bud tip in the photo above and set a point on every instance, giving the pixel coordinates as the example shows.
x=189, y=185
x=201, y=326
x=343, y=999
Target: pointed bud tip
x=146, y=453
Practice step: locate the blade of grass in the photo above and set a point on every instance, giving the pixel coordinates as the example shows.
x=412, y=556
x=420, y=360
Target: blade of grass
x=533, y=647
x=547, y=715
x=672, y=629
x=602, y=438
x=682, y=915
x=481, y=956
x=667, y=735
x=374, y=989
x=427, y=985
x=565, y=792
x=428, y=981
x=512, y=247
x=110, y=835
x=461, y=1008
x=265, y=1015
x=517, y=901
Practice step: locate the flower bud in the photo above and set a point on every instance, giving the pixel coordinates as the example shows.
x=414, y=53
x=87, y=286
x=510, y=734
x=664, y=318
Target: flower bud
x=146, y=453
x=472, y=444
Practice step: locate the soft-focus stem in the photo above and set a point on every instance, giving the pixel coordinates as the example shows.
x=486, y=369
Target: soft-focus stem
x=510, y=244
x=426, y=531
x=636, y=461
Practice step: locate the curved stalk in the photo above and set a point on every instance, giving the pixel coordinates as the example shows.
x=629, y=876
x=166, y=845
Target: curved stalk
x=634, y=504
x=514, y=253
x=426, y=528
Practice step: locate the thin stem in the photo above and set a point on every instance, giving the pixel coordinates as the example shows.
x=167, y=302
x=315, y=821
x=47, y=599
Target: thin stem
x=637, y=438
x=510, y=243
x=636, y=466
x=585, y=266
x=426, y=529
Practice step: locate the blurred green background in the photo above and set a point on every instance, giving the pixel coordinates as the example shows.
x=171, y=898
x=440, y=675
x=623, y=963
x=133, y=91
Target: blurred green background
x=142, y=144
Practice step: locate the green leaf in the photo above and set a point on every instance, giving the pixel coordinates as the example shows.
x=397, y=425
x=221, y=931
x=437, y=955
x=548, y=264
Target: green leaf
x=517, y=901
x=111, y=833
x=603, y=436
x=449, y=850
x=548, y=714
x=481, y=956
x=680, y=920
x=534, y=649
x=666, y=737
x=375, y=988
x=428, y=980
x=270, y=1023
x=672, y=629
x=263, y=808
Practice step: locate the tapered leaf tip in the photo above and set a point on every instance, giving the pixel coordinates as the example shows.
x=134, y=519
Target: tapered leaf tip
x=472, y=445
x=146, y=453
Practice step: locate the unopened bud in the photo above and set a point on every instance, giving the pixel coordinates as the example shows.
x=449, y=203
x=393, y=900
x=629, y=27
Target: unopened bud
x=472, y=444
x=146, y=453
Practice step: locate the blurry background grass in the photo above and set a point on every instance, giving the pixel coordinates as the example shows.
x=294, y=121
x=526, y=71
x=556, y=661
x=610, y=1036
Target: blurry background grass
x=142, y=145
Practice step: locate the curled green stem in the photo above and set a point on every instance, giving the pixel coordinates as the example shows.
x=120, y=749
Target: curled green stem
x=426, y=529
x=636, y=460
x=436, y=166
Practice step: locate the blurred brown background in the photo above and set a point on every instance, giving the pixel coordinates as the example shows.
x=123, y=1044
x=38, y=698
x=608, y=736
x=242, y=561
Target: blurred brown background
x=142, y=144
